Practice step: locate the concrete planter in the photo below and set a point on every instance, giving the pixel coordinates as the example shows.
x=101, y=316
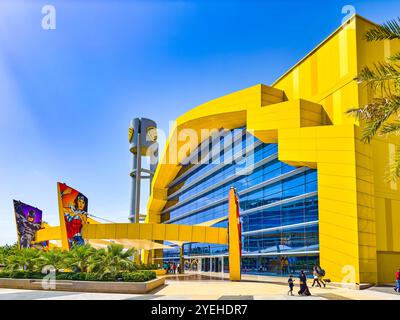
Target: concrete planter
x=84, y=286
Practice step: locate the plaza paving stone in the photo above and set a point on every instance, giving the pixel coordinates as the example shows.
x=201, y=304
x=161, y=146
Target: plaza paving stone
x=189, y=287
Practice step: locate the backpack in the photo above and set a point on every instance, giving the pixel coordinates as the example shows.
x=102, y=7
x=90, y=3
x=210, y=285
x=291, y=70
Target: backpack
x=322, y=272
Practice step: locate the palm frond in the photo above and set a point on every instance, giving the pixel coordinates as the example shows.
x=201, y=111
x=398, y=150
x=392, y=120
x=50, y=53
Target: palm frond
x=386, y=31
x=393, y=127
x=383, y=71
x=370, y=111
x=375, y=114
x=383, y=76
x=394, y=57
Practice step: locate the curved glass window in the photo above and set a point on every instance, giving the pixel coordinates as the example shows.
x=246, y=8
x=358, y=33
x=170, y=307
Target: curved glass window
x=278, y=206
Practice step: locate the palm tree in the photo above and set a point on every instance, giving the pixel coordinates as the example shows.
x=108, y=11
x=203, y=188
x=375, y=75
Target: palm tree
x=6, y=251
x=55, y=258
x=112, y=261
x=97, y=262
x=24, y=259
x=79, y=258
x=380, y=115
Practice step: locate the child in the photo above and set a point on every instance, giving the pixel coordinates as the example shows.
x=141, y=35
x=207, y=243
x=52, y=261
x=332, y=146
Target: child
x=291, y=285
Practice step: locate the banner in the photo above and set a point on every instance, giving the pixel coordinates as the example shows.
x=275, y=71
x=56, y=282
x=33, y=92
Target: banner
x=74, y=206
x=29, y=220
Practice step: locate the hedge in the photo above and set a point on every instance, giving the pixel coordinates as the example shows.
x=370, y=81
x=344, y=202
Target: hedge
x=139, y=276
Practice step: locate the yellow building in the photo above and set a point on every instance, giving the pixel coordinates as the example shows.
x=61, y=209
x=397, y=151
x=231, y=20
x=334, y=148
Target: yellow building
x=355, y=233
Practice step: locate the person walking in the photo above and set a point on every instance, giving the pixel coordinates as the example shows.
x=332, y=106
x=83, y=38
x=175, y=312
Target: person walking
x=397, y=288
x=303, y=284
x=174, y=268
x=321, y=275
x=315, y=277
x=291, y=285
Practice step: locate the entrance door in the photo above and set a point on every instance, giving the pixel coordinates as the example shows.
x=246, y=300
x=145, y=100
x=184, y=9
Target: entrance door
x=216, y=265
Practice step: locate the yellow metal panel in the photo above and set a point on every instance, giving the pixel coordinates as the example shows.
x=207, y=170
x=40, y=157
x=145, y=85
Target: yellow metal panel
x=153, y=231
x=88, y=232
x=146, y=231
x=199, y=234
x=338, y=169
x=337, y=193
x=100, y=230
x=110, y=231
x=49, y=233
x=222, y=236
x=121, y=231
x=335, y=144
x=385, y=224
x=395, y=208
x=159, y=231
x=348, y=183
x=133, y=231
x=172, y=232
x=212, y=235
x=185, y=233
x=388, y=263
x=234, y=239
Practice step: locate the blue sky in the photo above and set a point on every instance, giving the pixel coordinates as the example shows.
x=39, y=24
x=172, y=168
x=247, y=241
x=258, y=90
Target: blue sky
x=67, y=95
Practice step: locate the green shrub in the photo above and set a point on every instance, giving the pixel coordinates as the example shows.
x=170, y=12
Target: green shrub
x=78, y=276
x=107, y=277
x=18, y=274
x=85, y=258
x=71, y=276
x=149, y=275
x=34, y=275
x=62, y=276
x=91, y=277
x=143, y=266
x=133, y=277
x=139, y=276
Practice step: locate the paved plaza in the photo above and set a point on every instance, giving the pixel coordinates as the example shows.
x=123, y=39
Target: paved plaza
x=212, y=287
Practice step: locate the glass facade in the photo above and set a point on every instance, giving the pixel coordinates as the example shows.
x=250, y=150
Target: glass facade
x=278, y=206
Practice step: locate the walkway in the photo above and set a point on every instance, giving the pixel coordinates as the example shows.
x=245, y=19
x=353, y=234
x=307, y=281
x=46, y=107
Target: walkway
x=201, y=287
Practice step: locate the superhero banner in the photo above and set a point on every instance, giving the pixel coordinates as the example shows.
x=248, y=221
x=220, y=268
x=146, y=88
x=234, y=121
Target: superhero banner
x=29, y=220
x=74, y=206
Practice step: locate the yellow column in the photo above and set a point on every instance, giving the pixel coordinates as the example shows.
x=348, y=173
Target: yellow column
x=234, y=237
x=181, y=259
